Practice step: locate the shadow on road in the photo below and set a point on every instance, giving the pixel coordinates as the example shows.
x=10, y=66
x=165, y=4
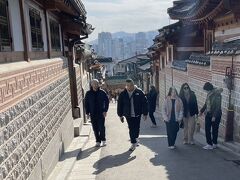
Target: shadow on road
x=111, y=161
x=87, y=152
x=186, y=162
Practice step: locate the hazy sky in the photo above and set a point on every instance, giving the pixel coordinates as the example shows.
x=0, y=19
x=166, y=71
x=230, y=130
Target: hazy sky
x=126, y=15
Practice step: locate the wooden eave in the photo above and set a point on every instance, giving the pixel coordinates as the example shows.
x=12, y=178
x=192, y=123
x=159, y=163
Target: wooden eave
x=60, y=6
x=208, y=16
x=207, y=10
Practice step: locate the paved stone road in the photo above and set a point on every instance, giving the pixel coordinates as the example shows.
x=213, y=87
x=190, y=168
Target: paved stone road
x=152, y=160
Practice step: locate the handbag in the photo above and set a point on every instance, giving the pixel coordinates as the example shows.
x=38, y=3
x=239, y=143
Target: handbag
x=198, y=126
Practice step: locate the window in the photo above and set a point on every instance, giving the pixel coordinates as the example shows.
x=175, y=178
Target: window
x=55, y=35
x=5, y=36
x=36, y=30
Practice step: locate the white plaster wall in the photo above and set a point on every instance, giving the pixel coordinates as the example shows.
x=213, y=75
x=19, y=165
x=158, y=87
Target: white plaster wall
x=15, y=23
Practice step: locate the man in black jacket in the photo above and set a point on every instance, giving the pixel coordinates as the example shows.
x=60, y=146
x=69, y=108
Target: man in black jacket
x=96, y=105
x=132, y=103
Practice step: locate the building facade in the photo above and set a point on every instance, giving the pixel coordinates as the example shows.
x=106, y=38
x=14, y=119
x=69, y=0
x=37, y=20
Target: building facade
x=105, y=44
x=209, y=52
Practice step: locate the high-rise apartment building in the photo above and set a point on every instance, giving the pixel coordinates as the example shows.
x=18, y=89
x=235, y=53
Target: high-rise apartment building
x=105, y=44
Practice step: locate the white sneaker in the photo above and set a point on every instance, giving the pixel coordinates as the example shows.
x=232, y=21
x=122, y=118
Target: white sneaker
x=98, y=144
x=153, y=126
x=171, y=147
x=104, y=143
x=208, y=147
x=192, y=143
x=214, y=146
x=133, y=147
x=138, y=141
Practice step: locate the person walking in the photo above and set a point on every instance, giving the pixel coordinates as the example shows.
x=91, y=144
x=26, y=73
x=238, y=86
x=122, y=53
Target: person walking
x=213, y=113
x=190, y=113
x=132, y=104
x=96, y=106
x=172, y=113
x=152, y=98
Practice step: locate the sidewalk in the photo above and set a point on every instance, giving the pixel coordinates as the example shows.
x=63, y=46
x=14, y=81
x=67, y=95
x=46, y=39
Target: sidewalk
x=68, y=159
x=83, y=161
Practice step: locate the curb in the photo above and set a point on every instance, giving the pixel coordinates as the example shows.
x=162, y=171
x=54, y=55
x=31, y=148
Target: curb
x=69, y=158
x=231, y=147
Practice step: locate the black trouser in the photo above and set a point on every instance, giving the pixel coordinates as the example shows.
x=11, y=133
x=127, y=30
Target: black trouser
x=172, y=130
x=211, y=129
x=151, y=115
x=98, y=125
x=134, y=128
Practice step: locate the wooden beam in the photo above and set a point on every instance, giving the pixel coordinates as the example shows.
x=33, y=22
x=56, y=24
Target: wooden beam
x=48, y=34
x=24, y=31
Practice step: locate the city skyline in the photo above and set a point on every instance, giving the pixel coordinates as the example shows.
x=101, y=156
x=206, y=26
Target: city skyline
x=130, y=16
x=123, y=45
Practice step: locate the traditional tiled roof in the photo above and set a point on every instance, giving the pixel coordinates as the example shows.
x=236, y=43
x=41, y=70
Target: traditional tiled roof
x=145, y=67
x=156, y=46
x=151, y=54
x=179, y=65
x=195, y=10
x=78, y=5
x=199, y=59
x=134, y=59
x=104, y=59
x=227, y=48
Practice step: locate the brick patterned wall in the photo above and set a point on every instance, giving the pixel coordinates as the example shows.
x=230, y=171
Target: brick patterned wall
x=28, y=127
x=18, y=84
x=35, y=104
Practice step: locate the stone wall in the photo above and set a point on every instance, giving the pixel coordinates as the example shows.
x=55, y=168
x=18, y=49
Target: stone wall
x=38, y=127
x=196, y=76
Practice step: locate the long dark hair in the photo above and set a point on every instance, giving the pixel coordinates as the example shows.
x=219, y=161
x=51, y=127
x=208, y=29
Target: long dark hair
x=181, y=94
x=170, y=91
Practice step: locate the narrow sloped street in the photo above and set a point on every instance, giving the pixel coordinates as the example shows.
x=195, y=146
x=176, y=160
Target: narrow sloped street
x=152, y=159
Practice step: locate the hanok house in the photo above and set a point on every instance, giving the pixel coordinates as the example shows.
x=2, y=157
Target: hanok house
x=40, y=83
x=204, y=48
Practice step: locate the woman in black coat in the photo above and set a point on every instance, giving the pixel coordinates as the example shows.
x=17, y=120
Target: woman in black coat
x=190, y=105
x=152, y=98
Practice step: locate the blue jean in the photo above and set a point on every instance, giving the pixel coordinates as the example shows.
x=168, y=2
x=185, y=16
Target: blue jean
x=151, y=115
x=172, y=130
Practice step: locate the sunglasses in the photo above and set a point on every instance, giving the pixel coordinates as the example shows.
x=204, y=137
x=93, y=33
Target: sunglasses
x=186, y=87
